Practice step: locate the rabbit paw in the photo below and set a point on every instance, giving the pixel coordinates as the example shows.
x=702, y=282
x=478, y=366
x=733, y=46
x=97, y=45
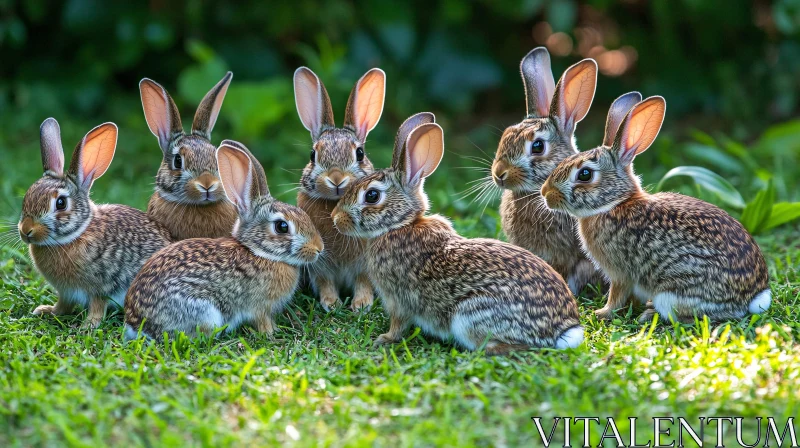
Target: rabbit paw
x=90, y=323
x=384, y=339
x=329, y=302
x=361, y=303
x=44, y=309
x=604, y=313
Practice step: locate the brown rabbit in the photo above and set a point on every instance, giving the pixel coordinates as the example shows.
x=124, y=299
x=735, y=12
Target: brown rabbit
x=188, y=198
x=687, y=256
x=337, y=159
x=88, y=252
x=248, y=277
x=475, y=291
x=530, y=150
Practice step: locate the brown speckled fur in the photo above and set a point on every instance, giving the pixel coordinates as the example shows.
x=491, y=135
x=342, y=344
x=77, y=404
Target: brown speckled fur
x=173, y=289
x=525, y=219
x=209, y=283
x=179, y=203
x=340, y=268
x=473, y=290
x=688, y=256
x=87, y=252
x=184, y=221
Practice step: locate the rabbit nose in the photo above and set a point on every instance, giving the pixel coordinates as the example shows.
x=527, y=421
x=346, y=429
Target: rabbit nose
x=26, y=230
x=207, y=183
x=337, y=182
x=500, y=172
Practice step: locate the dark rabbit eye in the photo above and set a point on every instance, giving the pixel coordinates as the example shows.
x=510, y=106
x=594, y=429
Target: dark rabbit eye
x=585, y=174
x=177, y=162
x=281, y=227
x=313, y=156
x=537, y=147
x=372, y=196
x=61, y=203
x=360, y=154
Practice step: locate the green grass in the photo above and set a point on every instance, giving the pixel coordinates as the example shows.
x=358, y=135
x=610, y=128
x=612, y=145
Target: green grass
x=319, y=381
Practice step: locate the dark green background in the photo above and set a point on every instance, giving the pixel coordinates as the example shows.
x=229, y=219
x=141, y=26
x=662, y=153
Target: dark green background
x=728, y=69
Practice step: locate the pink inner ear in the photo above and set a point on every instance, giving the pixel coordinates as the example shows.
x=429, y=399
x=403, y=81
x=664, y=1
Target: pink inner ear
x=424, y=150
x=369, y=102
x=308, y=99
x=97, y=152
x=234, y=170
x=156, y=109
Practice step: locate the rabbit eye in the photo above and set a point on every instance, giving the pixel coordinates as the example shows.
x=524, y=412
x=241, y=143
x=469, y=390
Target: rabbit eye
x=585, y=175
x=372, y=196
x=313, y=156
x=535, y=147
x=61, y=203
x=177, y=162
x=281, y=227
x=360, y=154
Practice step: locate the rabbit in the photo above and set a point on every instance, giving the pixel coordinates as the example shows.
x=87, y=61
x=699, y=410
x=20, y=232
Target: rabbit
x=206, y=283
x=529, y=151
x=475, y=291
x=338, y=158
x=687, y=256
x=188, y=199
x=88, y=252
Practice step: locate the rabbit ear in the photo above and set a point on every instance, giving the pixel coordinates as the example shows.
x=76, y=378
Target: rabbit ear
x=537, y=77
x=617, y=112
x=365, y=106
x=93, y=154
x=52, y=151
x=208, y=110
x=235, y=171
x=259, y=187
x=639, y=129
x=424, y=150
x=313, y=103
x=160, y=112
x=574, y=94
x=412, y=122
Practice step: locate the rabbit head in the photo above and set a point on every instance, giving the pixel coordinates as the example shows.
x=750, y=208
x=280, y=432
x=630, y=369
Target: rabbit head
x=269, y=228
x=392, y=198
x=530, y=150
x=188, y=173
x=596, y=181
x=56, y=209
x=338, y=156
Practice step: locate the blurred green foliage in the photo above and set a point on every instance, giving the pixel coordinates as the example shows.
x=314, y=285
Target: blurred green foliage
x=730, y=68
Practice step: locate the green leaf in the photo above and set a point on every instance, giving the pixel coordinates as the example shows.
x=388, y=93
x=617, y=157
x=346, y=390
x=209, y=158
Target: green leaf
x=782, y=213
x=710, y=181
x=758, y=211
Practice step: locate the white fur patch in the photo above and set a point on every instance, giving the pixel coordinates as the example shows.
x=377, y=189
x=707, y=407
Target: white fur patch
x=131, y=333
x=572, y=282
x=459, y=328
x=760, y=302
x=570, y=339
x=665, y=302
x=74, y=296
x=432, y=329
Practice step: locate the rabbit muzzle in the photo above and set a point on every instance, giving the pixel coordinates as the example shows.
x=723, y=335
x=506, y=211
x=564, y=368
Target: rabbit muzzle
x=32, y=232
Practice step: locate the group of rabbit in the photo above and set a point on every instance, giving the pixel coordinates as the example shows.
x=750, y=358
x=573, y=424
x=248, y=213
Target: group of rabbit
x=215, y=249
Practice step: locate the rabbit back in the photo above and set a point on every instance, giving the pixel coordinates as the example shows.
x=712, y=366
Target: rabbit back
x=680, y=250
x=470, y=288
x=206, y=283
